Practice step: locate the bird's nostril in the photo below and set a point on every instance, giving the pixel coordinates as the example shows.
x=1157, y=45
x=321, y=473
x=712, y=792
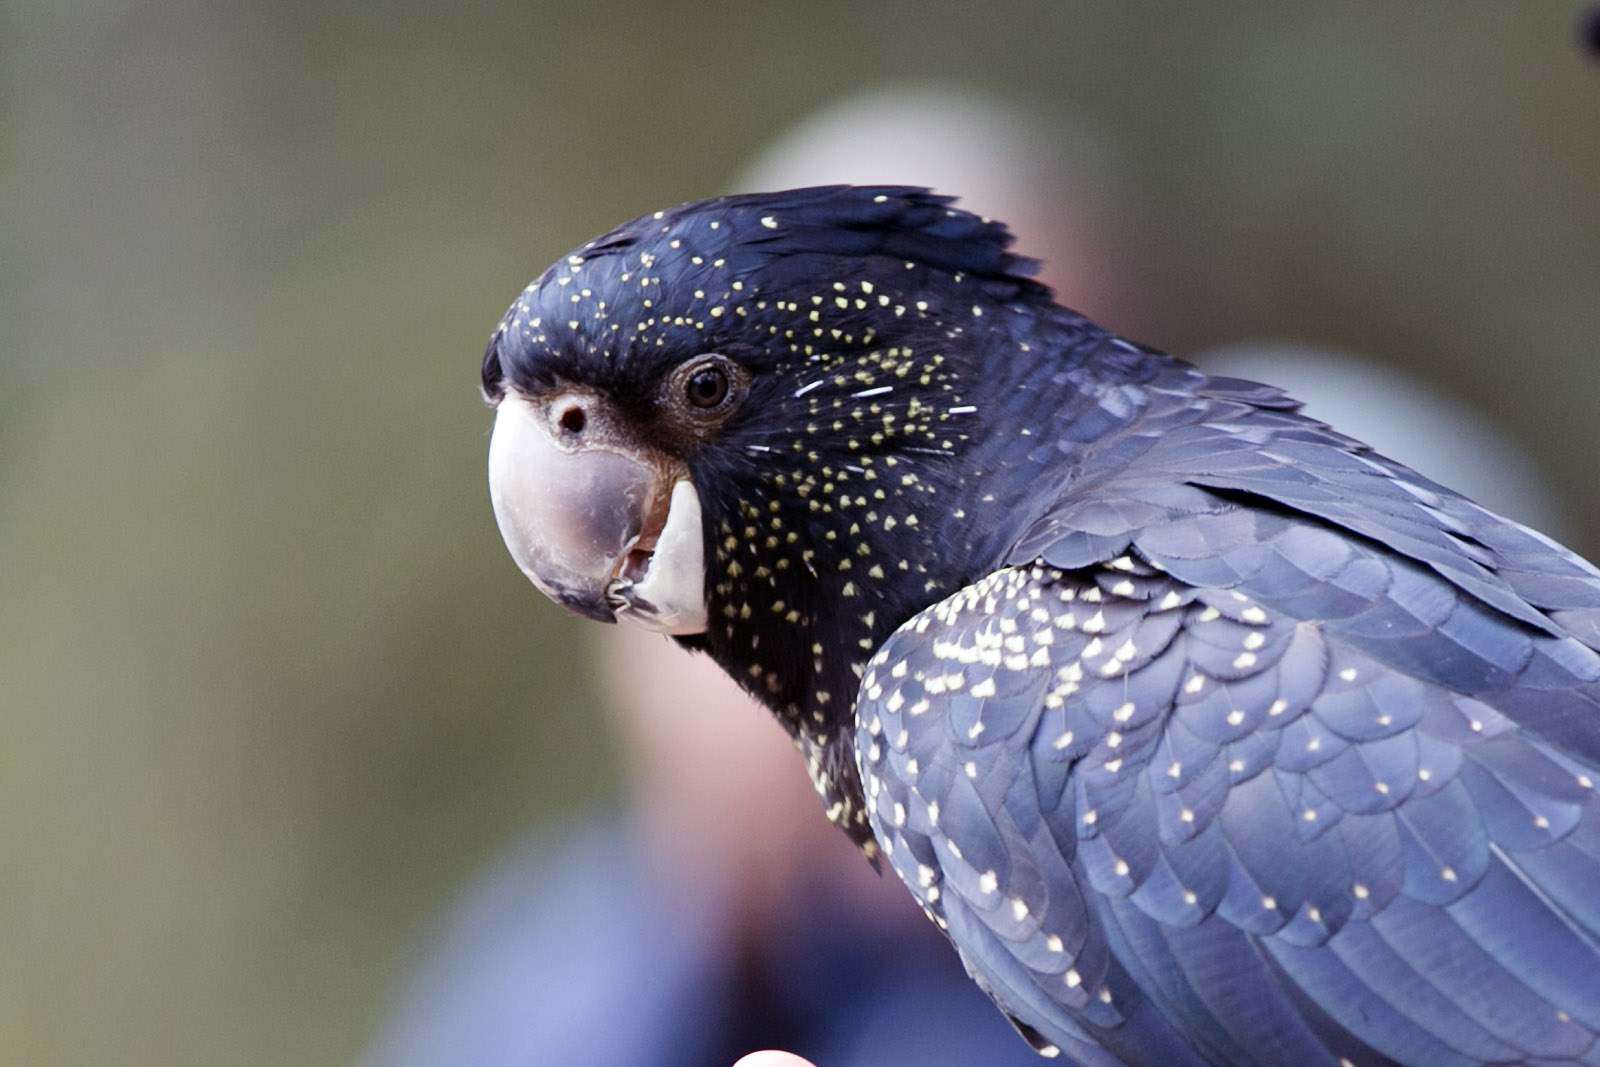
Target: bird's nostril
x=573, y=420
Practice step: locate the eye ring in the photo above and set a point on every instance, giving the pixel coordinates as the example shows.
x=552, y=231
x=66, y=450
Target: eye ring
x=707, y=388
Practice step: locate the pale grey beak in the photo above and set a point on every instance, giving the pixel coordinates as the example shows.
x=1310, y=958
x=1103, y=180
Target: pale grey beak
x=599, y=528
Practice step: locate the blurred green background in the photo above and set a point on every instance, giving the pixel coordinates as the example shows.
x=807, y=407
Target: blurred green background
x=269, y=686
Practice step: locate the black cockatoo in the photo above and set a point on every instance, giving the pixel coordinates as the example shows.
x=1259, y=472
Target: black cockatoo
x=1209, y=735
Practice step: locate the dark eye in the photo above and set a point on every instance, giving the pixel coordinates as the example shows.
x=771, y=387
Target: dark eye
x=707, y=387
x=702, y=393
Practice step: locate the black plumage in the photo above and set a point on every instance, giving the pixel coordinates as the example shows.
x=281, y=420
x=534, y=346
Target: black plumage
x=1209, y=735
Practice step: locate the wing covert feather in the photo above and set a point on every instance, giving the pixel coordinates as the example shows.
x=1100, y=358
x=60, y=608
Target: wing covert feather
x=1123, y=780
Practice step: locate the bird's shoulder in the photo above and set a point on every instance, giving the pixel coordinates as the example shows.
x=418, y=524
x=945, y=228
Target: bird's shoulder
x=1098, y=777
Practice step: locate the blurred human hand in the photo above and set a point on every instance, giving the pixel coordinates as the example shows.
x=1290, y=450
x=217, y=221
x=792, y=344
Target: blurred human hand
x=773, y=1059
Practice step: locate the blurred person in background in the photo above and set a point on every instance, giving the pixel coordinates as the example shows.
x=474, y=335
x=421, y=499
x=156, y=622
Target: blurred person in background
x=719, y=912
